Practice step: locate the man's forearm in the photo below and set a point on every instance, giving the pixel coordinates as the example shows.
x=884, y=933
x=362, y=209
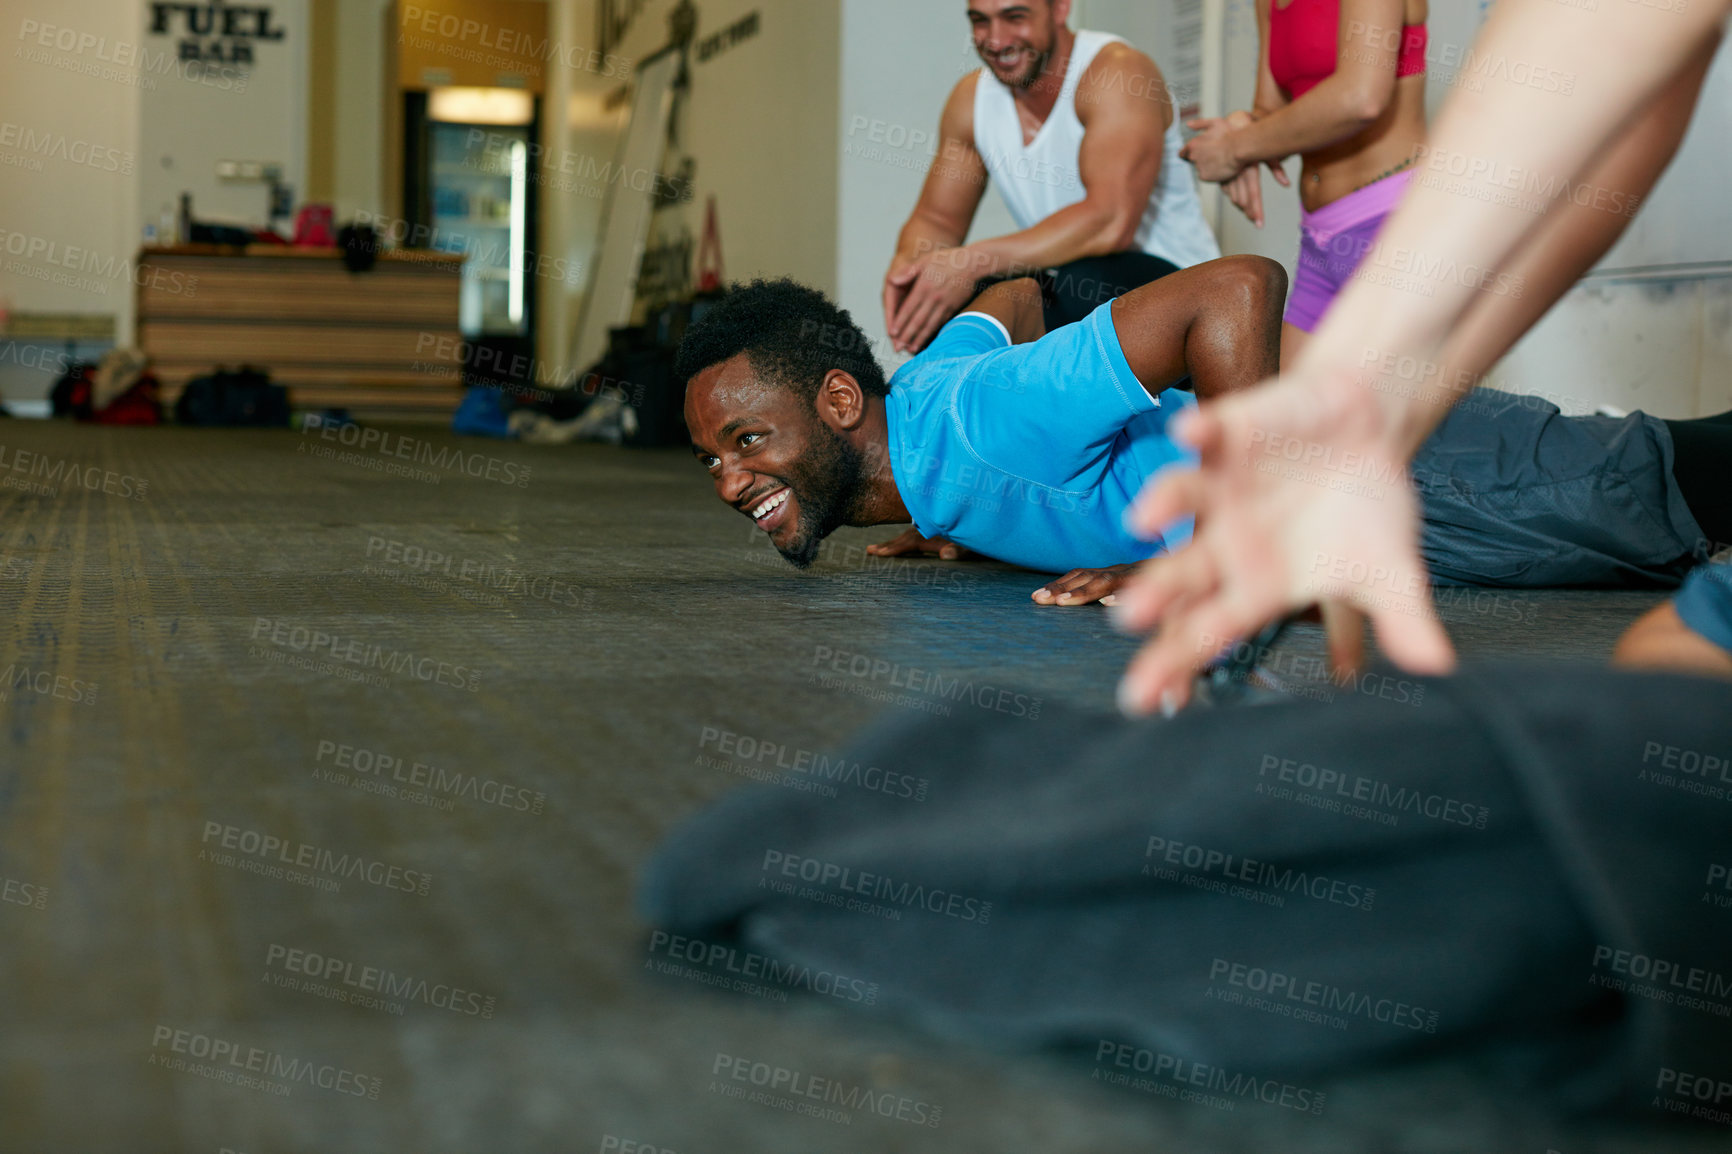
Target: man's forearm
x=1081, y=230
x=1660, y=640
x=922, y=235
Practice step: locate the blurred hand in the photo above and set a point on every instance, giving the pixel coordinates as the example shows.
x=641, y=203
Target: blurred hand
x=911, y=542
x=1301, y=496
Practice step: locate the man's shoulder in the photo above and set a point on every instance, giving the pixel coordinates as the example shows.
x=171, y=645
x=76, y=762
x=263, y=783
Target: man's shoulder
x=962, y=96
x=1121, y=72
x=1117, y=53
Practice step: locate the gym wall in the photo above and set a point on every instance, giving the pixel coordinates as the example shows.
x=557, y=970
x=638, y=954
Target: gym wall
x=62, y=202
x=759, y=124
x=227, y=113
x=1651, y=326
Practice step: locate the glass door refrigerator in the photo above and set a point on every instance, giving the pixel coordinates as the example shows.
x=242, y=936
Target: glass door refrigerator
x=469, y=182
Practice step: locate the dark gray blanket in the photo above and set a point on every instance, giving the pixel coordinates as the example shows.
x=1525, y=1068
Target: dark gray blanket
x=1278, y=890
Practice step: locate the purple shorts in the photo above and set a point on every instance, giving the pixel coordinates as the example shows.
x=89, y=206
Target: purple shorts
x=1332, y=242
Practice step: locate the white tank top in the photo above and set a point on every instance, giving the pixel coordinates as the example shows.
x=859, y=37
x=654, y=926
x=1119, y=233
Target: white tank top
x=1041, y=178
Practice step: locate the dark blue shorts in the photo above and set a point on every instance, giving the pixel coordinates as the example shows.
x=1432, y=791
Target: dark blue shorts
x=1516, y=494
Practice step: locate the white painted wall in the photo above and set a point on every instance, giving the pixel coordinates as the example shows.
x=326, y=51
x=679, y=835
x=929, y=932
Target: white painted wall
x=760, y=123
x=69, y=158
x=358, y=172
x=69, y=93
x=1661, y=345
x=1651, y=326
x=256, y=113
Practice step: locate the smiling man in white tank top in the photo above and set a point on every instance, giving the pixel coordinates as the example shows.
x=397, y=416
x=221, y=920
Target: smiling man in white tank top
x=1077, y=131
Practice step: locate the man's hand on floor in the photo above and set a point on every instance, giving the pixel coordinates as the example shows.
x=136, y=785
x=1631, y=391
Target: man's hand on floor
x=910, y=542
x=1660, y=642
x=1083, y=586
x=1301, y=496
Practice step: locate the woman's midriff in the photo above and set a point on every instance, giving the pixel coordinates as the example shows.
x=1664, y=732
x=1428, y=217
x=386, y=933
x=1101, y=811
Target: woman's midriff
x=1383, y=147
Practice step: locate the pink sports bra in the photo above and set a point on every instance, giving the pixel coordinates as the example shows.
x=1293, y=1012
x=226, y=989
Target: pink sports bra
x=1303, y=38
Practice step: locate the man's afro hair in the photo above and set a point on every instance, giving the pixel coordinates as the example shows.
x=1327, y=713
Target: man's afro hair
x=793, y=335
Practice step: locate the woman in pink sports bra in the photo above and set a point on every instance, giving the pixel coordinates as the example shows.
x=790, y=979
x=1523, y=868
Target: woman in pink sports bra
x=1342, y=83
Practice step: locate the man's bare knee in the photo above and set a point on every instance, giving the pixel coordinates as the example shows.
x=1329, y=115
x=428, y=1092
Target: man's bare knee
x=1256, y=282
x=1019, y=290
x=1016, y=303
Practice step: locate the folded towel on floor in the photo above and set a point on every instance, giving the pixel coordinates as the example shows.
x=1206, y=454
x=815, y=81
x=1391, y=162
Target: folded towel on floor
x=1281, y=890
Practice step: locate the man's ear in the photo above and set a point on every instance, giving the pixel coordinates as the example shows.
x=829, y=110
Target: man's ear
x=841, y=402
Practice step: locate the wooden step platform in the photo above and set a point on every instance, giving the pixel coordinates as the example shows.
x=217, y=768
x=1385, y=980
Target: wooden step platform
x=380, y=342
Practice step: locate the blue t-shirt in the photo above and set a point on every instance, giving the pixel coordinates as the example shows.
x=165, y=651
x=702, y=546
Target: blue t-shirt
x=1030, y=453
x=1705, y=603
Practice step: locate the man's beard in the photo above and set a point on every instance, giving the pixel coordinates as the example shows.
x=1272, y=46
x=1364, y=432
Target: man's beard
x=826, y=484
x=1036, y=66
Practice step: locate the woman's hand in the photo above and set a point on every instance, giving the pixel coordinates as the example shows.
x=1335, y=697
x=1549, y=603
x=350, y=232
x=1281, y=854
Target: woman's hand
x=1211, y=150
x=1212, y=153
x=1246, y=189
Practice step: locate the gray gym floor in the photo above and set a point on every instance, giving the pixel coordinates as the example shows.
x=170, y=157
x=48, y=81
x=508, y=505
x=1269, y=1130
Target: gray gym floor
x=633, y=614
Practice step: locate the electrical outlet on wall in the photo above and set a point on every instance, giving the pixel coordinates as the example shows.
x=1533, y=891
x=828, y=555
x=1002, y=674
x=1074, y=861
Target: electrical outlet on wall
x=240, y=170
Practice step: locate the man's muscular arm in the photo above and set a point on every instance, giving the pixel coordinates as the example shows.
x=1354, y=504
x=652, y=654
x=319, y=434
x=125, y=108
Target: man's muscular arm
x=1123, y=105
x=1219, y=322
x=1124, y=110
x=948, y=201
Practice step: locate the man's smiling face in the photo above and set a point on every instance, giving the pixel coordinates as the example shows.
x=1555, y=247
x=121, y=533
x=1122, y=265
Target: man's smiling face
x=772, y=456
x=1014, y=37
